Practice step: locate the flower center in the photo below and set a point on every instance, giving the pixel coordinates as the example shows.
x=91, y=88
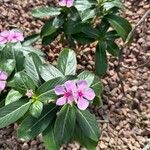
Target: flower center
x=67, y=94
x=80, y=94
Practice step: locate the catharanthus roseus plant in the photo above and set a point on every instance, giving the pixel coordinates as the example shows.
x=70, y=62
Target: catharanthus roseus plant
x=85, y=22
x=53, y=101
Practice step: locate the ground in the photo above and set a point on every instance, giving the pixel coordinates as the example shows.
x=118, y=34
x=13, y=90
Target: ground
x=126, y=124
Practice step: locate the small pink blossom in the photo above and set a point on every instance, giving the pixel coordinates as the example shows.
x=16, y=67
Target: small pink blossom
x=83, y=95
x=2, y=85
x=15, y=36
x=66, y=93
x=29, y=93
x=11, y=36
x=3, y=78
x=4, y=37
x=77, y=92
x=67, y=3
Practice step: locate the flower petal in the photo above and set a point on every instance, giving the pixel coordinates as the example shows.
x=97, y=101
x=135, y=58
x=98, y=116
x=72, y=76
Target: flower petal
x=61, y=101
x=62, y=2
x=82, y=103
x=70, y=99
x=3, y=75
x=82, y=85
x=5, y=33
x=59, y=90
x=3, y=40
x=89, y=94
x=70, y=3
x=2, y=85
x=70, y=86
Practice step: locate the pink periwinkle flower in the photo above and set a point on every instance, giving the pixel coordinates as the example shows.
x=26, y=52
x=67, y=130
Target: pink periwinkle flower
x=29, y=93
x=11, y=36
x=67, y=3
x=83, y=95
x=78, y=92
x=4, y=37
x=65, y=92
x=3, y=78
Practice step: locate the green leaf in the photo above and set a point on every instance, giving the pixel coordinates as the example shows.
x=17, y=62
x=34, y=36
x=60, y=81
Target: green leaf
x=87, y=76
x=49, y=139
x=82, y=5
x=88, y=124
x=12, y=96
x=83, y=139
x=12, y=112
x=52, y=25
x=29, y=40
x=101, y=59
x=7, y=65
x=121, y=25
x=32, y=64
x=46, y=91
x=88, y=14
x=36, y=109
x=31, y=127
x=97, y=86
x=115, y=3
x=113, y=48
x=50, y=38
x=45, y=11
x=10, y=52
x=64, y=125
x=97, y=101
x=22, y=82
x=67, y=62
x=49, y=72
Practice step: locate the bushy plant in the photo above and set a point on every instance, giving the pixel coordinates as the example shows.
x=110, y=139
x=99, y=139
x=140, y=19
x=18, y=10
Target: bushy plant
x=85, y=22
x=53, y=101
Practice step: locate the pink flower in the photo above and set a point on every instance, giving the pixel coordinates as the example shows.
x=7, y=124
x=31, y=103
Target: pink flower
x=83, y=95
x=11, y=36
x=67, y=3
x=15, y=36
x=65, y=92
x=3, y=78
x=29, y=93
x=4, y=37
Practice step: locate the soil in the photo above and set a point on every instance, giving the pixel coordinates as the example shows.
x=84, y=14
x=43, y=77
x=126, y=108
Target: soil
x=125, y=115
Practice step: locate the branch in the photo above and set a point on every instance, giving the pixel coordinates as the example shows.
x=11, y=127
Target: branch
x=139, y=23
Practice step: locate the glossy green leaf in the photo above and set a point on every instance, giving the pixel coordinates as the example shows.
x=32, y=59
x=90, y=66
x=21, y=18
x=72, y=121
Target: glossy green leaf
x=83, y=139
x=36, y=109
x=46, y=91
x=67, y=62
x=49, y=72
x=97, y=86
x=7, y=65
x=45, y=11
x=88, y=14
x=82, y=5
x=87, y=76
x=23, y=82
x=64, y=125
x=49, y=139
x=113, y=48
x=31, y=127
x=12, y=96
x=101, y=59
x=88, y=124
x=32, y=64
x=121, y=25
x=52, y=25
x=29, y=40
x=12, y=112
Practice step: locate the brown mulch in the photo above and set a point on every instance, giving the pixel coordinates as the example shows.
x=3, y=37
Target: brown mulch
x=128, y=115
